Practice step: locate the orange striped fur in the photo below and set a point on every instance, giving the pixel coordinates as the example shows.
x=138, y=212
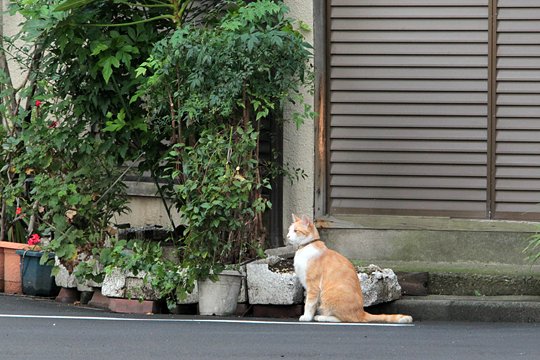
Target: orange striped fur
x=331, y=282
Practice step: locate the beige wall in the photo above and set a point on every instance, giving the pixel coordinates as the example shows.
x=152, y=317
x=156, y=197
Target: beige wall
x=10, y=27
x=298, y=144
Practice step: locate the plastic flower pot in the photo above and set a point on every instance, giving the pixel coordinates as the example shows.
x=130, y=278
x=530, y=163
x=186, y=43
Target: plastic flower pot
x=221, y=297
x=36, y=278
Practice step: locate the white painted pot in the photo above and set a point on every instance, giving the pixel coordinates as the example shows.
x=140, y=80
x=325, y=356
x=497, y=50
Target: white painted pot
x=221, y=297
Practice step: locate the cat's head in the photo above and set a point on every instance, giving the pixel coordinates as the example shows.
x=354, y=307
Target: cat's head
x=302, y=231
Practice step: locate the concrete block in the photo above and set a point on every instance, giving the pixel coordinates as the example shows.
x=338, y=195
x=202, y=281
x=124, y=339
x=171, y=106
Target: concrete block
x=378, y=285
x=137, y=287
x=68, y=280
x=98, y=300
x=114, y=284
x=67, y=296
x=64, y=279
x=127, y=306
x=121, y=284
x=83, y=287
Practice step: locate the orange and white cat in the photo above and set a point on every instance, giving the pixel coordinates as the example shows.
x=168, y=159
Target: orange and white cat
x=331, y=282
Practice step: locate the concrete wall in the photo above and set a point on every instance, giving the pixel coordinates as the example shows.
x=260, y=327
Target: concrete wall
x=146, y=208
x=299, y=144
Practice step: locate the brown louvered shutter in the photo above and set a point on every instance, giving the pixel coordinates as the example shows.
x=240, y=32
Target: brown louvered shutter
x=517, y=174
x=408, y=95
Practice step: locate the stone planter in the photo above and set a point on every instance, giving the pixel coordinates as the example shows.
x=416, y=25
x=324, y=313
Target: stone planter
x=68, y=280
x=73, y=290
x=121, y=284
x=271, y=287
x=129, y=293
x=10, y=267
x=272, y=281
x=63, y=278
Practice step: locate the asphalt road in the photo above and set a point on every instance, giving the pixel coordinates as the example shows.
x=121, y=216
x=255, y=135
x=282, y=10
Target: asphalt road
x=37, y=329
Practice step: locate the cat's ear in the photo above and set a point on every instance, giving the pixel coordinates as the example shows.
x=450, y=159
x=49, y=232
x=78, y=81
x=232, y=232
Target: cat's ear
x=295, y=218
x=306, y=220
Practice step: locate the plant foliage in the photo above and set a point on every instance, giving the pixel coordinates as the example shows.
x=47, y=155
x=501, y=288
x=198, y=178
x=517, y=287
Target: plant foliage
x=181, y=88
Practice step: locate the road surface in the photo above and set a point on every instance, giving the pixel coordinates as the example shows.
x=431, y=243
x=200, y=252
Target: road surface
x=37, y=329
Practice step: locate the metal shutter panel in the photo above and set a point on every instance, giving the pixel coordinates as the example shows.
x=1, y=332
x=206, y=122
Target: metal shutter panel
x=408, y=107
x=517, y=158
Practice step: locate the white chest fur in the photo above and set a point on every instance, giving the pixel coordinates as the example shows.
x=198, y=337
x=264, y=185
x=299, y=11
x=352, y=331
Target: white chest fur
x=301, y=261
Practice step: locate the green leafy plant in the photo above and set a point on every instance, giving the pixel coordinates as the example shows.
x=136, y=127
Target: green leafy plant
x=533, y=248
x=149, y=260
x=208, y=90
x=62, y=151
x=73, y=187
x=158, y=84
x=218, y=191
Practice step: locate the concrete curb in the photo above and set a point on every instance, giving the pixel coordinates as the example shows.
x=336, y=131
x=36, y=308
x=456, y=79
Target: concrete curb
x=466, y=308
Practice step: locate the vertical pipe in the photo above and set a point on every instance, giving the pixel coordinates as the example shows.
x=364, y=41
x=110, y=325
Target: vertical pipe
x=321, y=30
x=492, y=109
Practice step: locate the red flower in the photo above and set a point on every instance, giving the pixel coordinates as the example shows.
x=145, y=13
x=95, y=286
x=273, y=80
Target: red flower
x=18, y=211
x=53, y=124
x=38, y=103
x=34, y=239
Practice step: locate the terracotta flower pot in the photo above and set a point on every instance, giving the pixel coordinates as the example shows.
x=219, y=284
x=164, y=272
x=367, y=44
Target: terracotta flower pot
x=10, y=264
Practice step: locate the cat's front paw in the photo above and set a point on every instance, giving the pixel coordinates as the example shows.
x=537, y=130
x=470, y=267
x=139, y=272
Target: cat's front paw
x=306, y=318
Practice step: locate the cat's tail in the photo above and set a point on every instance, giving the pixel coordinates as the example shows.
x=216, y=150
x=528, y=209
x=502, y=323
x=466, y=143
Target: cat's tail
x=384, y=318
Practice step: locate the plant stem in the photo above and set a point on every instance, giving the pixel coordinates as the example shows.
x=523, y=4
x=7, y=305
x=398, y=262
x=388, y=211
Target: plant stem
x=162, y=196
x=118, y=179
x=157, y=5
x=170, y=17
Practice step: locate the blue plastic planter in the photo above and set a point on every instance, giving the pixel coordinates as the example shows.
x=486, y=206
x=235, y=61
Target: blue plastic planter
x=36, y=278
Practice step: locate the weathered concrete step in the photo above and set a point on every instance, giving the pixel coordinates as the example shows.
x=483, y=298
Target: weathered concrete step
x=465, y=308
x=465, y=279
x=461, y=284
x=467, y=284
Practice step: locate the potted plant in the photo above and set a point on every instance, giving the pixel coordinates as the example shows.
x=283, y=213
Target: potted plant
x=67, y=139
x=210, y=89
x=219, y=189
x=36, y=277
x=13, y=224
